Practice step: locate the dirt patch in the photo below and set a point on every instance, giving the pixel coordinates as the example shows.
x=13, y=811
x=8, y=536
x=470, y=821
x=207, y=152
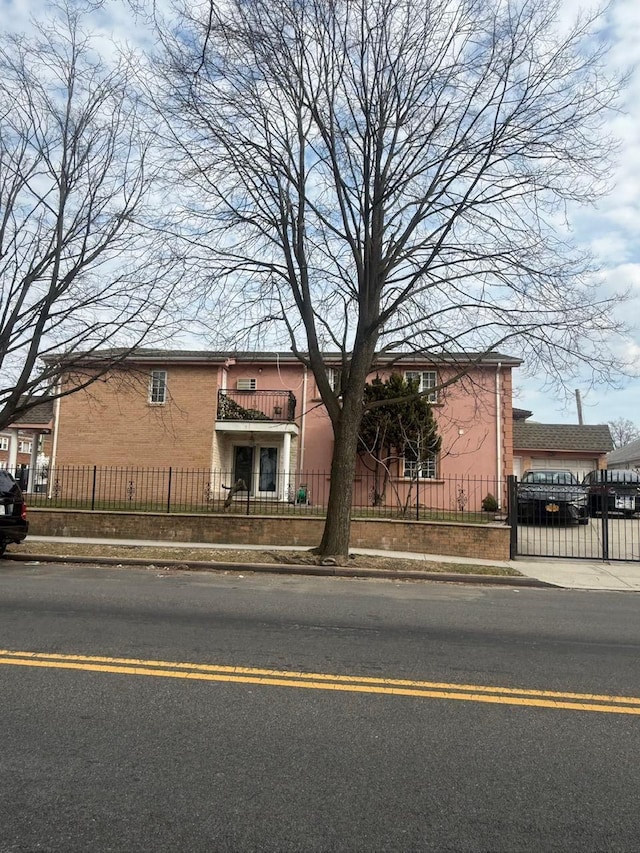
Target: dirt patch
x=303, y=557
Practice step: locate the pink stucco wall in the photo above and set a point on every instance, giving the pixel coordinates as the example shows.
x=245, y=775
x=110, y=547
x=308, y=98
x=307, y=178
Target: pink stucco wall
x=465, y=413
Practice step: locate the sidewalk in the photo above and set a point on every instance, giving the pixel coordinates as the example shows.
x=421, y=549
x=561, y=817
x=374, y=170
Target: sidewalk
x=583, y=574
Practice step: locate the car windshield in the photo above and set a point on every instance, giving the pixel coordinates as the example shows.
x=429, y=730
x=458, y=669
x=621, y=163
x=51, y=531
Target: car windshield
x=550, y=478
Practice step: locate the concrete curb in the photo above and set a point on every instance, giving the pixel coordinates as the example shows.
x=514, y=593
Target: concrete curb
x=287, y=569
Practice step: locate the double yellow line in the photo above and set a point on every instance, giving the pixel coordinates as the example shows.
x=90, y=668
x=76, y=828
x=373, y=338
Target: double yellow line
x=603, y=704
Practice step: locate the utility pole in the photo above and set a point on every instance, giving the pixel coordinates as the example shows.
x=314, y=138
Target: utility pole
x=579, y=407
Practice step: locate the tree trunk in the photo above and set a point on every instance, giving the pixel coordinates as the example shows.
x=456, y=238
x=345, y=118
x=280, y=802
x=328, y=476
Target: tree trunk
x=335, y=538
x=346, y=429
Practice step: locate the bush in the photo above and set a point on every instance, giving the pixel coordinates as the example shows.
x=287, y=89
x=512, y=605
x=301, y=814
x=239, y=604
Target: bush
x=489, y=503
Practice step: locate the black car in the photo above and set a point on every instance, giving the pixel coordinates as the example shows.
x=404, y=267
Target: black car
x=617, y=489
x=552, y=496
x=13, y=512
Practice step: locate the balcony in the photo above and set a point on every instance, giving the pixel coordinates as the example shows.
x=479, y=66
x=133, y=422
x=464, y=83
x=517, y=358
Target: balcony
x=256, y=406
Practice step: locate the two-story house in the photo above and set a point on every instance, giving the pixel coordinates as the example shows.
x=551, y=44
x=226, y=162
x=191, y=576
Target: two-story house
x=258, y=417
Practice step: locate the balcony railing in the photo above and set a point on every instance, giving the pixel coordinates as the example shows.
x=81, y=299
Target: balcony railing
x=256, y=406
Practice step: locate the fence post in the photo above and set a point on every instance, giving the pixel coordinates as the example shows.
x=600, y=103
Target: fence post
x=93, y=489
x=249, y=499
x=169, y=490
x=604, y=506
x=512, y=497
x=418, y=496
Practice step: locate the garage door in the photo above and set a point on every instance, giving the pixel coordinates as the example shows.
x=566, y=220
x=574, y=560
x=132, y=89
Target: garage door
x=580, y=467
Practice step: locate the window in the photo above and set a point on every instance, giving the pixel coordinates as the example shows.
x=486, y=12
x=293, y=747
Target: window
x=158, y=387
x=4, y=442
x=427, y=379
x=333, y=375
x=428, y=468
x=24, y=446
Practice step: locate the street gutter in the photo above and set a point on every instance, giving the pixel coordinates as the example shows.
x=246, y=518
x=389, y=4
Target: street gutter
x=287, y=569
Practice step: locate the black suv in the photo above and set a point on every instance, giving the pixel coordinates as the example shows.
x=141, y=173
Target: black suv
x=13, y=512
x=617, y=488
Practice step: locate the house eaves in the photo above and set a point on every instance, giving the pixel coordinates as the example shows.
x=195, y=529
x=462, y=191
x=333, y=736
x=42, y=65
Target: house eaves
x=142, y=356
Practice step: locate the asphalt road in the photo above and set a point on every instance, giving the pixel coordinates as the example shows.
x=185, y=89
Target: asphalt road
x=107, y=745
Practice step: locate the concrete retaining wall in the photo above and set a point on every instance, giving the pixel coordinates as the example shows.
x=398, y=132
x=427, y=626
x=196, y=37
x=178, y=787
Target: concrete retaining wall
x=486, y=541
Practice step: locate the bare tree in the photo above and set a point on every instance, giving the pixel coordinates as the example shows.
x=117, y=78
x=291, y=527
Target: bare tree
x=381, y=176
x=623, y=431
x=81, y=264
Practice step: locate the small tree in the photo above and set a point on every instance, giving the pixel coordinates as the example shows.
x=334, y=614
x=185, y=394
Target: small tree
x=389, y=432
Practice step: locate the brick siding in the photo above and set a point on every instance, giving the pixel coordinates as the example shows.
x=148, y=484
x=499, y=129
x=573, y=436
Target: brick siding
x=112, y=422
x=484, y=541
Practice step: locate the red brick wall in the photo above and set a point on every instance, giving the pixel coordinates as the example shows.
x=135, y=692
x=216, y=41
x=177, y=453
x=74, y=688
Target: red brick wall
x=112, y=422
x=485, y=541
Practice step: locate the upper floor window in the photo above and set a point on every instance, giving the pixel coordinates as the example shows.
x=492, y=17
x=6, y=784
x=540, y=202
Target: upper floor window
x=4, y=442
x=333, y=375
x=24, y=446
x=426, y=470
x=158, y=387
x=428, y=379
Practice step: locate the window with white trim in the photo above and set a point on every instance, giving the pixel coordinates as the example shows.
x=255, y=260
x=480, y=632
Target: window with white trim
x=24, y=446
x=4, y=442
x=158, y=387
x=427, y=379
x=333, y=376
x=425, y=470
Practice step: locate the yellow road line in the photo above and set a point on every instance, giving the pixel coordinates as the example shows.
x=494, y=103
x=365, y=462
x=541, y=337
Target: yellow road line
x=323, y=681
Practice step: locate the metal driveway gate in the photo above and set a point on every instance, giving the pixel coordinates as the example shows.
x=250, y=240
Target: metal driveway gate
x=612, y=531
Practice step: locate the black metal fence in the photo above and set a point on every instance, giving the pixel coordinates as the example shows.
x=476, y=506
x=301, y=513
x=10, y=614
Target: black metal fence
x=256, y=405
x=598, y=519
x=461, y=499
x=602, y=521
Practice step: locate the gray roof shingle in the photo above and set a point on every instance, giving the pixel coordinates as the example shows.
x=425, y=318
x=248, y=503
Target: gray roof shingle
x=42, y=413
x=593, y=438
x=629, y=453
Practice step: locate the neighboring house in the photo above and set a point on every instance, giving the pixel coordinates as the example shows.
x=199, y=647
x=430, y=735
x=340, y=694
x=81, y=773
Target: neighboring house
x=26, y=442
x=625, y=457
x=575, y=447
x=258, y=416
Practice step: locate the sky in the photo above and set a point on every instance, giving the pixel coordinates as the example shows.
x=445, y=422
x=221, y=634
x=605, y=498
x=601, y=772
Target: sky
x=611, y=230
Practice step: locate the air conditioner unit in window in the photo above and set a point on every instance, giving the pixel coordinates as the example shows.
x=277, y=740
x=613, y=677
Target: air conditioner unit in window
x=247, y=384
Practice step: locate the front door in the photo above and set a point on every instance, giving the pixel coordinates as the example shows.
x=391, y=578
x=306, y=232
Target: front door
x=243, y=464
x=256, y=465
